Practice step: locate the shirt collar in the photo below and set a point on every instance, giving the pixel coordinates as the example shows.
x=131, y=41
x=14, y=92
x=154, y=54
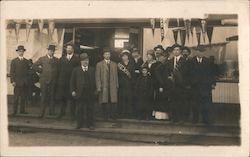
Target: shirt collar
x=70, y=55
x=84, y=68
x=21, y=58
x=107, y=60
x=199, y=58
x=49, y=56
x=178, y=57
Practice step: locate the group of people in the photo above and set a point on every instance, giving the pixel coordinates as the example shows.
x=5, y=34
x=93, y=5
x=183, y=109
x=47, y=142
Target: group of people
x=169, y=81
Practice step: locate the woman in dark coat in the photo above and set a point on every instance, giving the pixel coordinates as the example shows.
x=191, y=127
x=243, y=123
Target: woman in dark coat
x=152, y=65
x=125, y=78
x=145, y=94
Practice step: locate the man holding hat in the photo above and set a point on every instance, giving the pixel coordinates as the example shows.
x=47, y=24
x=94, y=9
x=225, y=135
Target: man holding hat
x=48, y=67
x=19, y=69
x=66, y=63
x=202, y=83
x=107, y=85
x=82, y=88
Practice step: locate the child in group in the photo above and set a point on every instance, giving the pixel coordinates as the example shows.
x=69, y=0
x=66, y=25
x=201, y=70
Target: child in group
x=145, y=94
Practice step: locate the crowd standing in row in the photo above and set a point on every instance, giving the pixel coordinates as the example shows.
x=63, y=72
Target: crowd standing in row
x=169, y=81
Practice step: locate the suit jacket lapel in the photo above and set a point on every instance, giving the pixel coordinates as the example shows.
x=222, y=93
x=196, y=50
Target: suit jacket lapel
x=172, y=64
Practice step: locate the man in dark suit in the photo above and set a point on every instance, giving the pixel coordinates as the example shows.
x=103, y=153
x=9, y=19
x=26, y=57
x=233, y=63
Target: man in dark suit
x=66, y=64
x=177, y=70
x=188, y=98
x=202, y=83
x=48, y=66
x=137, y=63
x=19, y=69
x=82, y=88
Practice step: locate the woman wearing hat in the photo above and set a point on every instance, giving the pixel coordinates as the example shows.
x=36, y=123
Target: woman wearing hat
x=125, y=77
x=152, y=65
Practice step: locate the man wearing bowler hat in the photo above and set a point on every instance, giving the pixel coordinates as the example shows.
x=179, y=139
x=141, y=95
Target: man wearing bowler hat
x=19, y=69
x=82, y=88
x=107, y=85
x=158, y=51
x=48, y=66
x=66, y=63
x=202, y=83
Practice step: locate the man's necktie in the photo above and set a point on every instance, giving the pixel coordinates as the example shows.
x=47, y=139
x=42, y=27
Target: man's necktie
x=176, y=64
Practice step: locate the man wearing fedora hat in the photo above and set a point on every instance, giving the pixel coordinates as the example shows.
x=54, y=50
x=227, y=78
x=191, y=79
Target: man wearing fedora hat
x=107, y=85
x=202, y=82
x=82, y=88
x=19, y=70
x=48, y=66
x=66, y=63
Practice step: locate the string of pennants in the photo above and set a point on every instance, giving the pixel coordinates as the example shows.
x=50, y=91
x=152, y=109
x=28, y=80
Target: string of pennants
x=28, y=25
x=184, y=30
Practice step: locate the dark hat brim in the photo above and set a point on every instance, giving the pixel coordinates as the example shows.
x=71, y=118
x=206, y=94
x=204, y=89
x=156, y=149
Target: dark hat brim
x=20, y=49
x=200, y=48
x=175, y=45
x=159, y=47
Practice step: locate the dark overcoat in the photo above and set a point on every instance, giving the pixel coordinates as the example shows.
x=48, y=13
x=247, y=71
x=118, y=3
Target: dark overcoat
x=65, y=69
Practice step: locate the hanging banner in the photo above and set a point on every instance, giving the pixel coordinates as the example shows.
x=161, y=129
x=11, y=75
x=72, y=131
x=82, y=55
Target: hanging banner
x=51, y=28
x=152, y=23
x=59, y=34
x=28, y=27
x=165, y=26
x=175, y=33
x=210, y=34
x=187, y=23
x=183, y=36
x=178, y=22
x=40, y=25
x=203, y=29
x=17, y=28
x=192, y=31
x=162, y=29
x=198, y=34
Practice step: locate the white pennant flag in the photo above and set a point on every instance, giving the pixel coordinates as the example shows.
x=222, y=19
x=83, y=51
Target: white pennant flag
x=187, y=23
x=59, y=34
x=28, y=27
x=17, y=28
x=152, y=22
x=40, y=25
x=51, y=28
x=203, y=29
x=165, y=26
